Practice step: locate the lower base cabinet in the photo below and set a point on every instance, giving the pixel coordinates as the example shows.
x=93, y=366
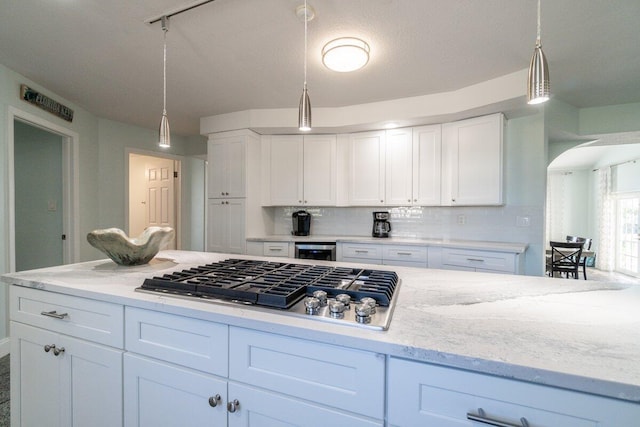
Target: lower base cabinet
x=161, y=394
x=421, y=394
x=58, y=380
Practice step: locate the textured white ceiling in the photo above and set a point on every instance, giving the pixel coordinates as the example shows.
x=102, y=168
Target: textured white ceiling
x=233, y=55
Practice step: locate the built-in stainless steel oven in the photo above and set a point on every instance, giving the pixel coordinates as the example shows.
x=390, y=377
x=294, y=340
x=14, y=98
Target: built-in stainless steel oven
x=316, y=250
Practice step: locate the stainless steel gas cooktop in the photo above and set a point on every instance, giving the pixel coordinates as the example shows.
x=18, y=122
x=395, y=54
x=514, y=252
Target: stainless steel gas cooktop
x=342, y=295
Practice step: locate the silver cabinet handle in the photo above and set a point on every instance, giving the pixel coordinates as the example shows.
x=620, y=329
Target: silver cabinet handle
x=58, y=351
x=55, y=314
x=359, y=251
x=481, y=417
x=275, y=249
x=214, y=400
x=47, y=348
x=475, y=259
x=233, y=406
x=222, y=193
x=404, y=253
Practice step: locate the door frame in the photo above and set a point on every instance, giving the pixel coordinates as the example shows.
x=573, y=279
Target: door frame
x=70, y=184
x=177, y=199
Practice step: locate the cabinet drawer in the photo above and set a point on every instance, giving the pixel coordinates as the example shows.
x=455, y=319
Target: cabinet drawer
x=422, y=394
x=194, y=343
x=84, y=318
x=479, y=260
x=276, y=249
x=371, y=252
x=335, y=376
x=415, y=254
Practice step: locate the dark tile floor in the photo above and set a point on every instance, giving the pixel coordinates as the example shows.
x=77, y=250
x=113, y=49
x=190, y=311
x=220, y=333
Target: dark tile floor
x=4, y=391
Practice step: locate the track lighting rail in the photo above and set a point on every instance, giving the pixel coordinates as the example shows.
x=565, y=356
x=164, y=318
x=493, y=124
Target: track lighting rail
x=176, y=12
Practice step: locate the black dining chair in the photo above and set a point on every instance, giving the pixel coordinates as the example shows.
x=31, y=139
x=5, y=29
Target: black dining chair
x=586, y=245
x=565, y=258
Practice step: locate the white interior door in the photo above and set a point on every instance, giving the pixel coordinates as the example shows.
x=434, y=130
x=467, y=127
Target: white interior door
x=151, y=194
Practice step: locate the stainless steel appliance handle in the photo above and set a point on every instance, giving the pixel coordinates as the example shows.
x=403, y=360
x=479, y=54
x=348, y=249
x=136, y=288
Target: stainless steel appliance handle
x=481, y=417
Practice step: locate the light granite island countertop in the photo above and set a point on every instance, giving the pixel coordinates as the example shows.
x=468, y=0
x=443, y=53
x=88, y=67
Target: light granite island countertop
x=573, y=334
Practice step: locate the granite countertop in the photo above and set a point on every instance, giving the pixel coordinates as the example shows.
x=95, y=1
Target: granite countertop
x=574, y=334
x=444, y=243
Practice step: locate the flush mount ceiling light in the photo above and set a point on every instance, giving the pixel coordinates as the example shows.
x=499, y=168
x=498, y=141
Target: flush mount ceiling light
x=164, y=135
x=538, y=82
x=304, y=109
x=345, y=54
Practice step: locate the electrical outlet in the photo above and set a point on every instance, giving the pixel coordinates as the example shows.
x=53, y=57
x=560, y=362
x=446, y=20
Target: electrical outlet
x=523, y=221
x=52, y=206
x=462, y=219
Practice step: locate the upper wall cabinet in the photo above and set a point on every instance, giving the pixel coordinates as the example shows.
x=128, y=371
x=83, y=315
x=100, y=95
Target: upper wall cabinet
x=227, y=166
x=366, y=171
x=412, y=158
x=299, y=170
x=472, y=161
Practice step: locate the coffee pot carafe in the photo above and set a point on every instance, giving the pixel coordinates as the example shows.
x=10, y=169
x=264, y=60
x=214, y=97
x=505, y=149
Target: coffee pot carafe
x=381, y=224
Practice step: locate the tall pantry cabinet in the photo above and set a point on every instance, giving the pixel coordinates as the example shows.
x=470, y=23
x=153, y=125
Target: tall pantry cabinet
x=233, y=171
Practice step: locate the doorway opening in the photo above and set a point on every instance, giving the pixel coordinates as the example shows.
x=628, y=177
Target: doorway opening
x=154, y=194
x=43, y=164
x=628, y=235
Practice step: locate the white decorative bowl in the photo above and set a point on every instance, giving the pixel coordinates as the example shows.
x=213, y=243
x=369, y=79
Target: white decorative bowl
x=127, y=251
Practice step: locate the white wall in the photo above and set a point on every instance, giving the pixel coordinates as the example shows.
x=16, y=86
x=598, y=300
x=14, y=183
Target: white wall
x=101, y=159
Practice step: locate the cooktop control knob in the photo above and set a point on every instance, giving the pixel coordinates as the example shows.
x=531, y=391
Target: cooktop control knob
x=363, y=313
x=312, y=305
x=322, y=297
x=370, y=302
x=345, y=299
x=336, y=309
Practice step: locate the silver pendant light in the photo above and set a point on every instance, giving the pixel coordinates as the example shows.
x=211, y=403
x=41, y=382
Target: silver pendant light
x=538, y=85
x=164, y=135
x=304, y=110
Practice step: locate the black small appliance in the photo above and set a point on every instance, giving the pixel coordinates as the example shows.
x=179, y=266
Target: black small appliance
x=301, y=223
x=381, y=224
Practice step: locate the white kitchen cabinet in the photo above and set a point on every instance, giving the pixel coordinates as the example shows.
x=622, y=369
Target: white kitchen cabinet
x=226, y=226
x=478, y=260
x=366, y=253
x=160, y=394
x=260, y=408
x=333, y=376
x=427, y=159
x=406, y=256
x=399, y=167
x=58, y=379
x=299, y=170
x=227, y=166
x=421, y=394
x=366, y=171
x=472, y=165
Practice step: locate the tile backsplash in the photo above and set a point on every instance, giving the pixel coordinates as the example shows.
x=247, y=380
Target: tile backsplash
x=500, y=223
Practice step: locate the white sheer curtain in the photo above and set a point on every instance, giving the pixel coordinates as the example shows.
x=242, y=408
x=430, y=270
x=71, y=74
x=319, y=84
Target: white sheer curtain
x=606, y=221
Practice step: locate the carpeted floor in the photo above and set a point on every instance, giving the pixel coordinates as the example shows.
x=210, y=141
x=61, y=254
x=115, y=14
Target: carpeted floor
x=4, y=391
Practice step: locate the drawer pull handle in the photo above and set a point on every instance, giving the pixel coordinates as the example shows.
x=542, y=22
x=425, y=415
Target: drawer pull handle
x=404, y=253
x=48, y=347
x=233, y=405
x=58, y=351
x=475, y=259
x=359, y=251
x=214, y=400
x=276, y=249
x=481, y=417
x=55, y=314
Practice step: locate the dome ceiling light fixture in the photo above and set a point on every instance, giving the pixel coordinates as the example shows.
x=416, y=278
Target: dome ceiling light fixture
x=538, y=84
x=345, y=54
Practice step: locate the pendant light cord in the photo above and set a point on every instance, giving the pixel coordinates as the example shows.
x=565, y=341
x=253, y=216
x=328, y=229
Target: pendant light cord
x=306, y=18
x=164, y=72
x=538, y=34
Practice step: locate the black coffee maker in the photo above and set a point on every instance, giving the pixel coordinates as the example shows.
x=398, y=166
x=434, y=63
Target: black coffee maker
x=301, y=223
x=381, y=224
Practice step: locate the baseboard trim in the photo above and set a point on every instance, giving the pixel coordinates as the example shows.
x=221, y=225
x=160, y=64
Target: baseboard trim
x=5, y=346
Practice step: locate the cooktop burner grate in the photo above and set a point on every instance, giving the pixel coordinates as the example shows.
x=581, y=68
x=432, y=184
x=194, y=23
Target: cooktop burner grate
x=274, y=284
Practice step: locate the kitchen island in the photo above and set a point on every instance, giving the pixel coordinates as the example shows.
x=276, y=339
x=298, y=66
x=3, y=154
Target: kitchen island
x=457, y=340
